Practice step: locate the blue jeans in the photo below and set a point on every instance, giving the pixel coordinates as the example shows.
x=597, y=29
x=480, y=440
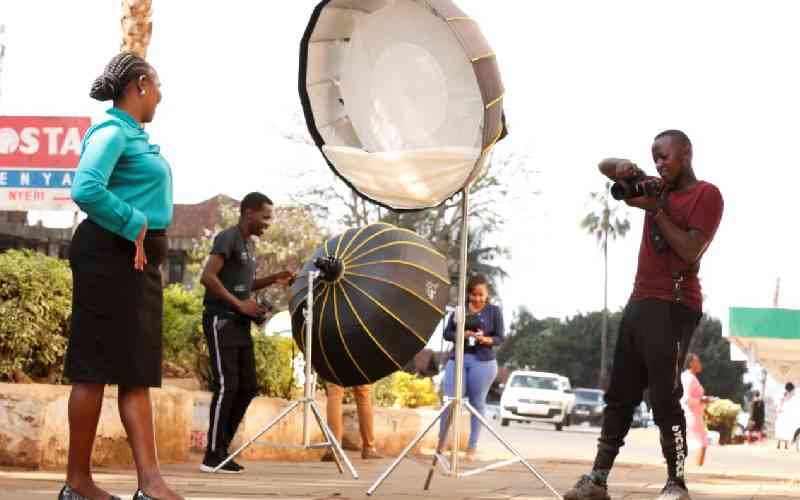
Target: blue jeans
x=478, y=378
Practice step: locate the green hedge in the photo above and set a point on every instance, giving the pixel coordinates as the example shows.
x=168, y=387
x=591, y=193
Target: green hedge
x=183, y=330
x=35, y=306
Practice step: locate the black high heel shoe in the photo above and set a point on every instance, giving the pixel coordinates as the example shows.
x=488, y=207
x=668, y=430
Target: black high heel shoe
x=68, y=493
x=141, y=495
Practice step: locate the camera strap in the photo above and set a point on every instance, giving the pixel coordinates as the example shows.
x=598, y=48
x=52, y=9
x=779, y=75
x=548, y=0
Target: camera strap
x=678, y=272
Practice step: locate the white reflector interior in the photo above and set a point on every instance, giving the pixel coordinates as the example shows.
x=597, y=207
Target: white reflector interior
x=411, y=98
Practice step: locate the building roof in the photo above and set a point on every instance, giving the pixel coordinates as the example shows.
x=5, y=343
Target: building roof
x=189, y=221
x=13, y=217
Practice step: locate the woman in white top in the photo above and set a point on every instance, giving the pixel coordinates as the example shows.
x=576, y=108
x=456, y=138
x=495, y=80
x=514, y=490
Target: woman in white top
x=784, y=427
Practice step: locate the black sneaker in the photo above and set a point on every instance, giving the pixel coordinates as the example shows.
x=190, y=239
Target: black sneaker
x=237, y=465
x=587, y=489
x=211, y=462
x=674, y=490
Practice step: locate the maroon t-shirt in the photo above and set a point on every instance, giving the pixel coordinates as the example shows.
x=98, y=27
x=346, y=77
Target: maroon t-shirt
x=700, y=208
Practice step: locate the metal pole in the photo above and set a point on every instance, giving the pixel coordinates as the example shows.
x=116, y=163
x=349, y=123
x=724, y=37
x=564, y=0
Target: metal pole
x=2, y=53
x=308, y=390
x=460, y=317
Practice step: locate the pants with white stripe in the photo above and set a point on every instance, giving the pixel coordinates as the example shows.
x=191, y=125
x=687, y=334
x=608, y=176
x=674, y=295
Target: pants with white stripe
x=233, y=380
x=654, y=337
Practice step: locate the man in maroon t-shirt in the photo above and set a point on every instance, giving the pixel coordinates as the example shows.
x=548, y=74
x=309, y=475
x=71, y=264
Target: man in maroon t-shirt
x=681, y=218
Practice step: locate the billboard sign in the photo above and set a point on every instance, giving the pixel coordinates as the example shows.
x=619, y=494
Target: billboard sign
x=38, y=159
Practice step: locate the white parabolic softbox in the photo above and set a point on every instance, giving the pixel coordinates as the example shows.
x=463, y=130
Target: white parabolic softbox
x=403, y=97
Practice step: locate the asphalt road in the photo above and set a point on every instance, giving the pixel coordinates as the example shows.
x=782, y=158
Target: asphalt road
x=542, y=441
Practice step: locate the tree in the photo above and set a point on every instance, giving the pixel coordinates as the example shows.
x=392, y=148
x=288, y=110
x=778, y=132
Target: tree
x=567, y=347
x=289, y=242
x=136, y=26
x=518, y=349
x=721, y=377
x=603, y=222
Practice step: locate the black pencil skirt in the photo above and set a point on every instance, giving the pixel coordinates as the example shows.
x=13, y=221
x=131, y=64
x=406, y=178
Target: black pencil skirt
x=115, y=331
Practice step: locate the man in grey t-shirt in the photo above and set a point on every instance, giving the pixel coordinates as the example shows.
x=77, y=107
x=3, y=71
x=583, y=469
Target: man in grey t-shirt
x=229, y=279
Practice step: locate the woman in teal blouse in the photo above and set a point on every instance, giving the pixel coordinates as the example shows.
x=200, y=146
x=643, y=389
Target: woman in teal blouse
x=125, y=187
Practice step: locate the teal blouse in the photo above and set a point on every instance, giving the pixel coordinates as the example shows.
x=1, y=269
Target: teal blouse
x=122, y=180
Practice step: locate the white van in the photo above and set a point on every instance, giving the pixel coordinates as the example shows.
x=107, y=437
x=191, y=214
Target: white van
x=537, y=396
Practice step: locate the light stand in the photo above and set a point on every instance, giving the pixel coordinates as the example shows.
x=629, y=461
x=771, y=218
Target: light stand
x=457, y=404
x=310, y=406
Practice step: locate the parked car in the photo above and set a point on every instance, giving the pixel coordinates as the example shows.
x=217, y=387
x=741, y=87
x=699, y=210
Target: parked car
x=588, y=407
x=538, y=397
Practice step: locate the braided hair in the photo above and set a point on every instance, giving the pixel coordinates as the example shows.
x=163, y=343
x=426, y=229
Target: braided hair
x=120, y=71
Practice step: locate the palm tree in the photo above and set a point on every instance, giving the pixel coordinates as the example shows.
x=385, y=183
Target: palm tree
x=136, y=26
x=603, y=222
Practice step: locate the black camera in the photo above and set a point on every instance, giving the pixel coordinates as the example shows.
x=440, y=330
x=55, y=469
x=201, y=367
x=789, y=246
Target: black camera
x=264, y=302
x=472, y=323
x=635, y=187
x=330, y=268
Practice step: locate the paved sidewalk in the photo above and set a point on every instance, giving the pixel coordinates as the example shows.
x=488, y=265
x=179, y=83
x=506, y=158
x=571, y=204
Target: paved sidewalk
x=318, y=481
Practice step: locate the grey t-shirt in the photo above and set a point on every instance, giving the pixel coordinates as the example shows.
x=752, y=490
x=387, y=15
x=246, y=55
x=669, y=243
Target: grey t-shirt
x=237, y=273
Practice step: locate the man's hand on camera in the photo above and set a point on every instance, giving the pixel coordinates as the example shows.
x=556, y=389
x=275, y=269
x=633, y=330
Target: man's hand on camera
x=251, y=308
x=626, y=169
x=644, y=202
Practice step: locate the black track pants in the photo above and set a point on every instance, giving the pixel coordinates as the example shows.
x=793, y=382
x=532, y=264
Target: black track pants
x=233, y=382
x=653, y=341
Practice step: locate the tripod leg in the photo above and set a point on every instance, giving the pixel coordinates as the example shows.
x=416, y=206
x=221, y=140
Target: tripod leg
x=336, y=459
x=406, y=451
x=262, y=431
x=431, y=472
x=510, y=448
x=439, y=449
x=337, y=448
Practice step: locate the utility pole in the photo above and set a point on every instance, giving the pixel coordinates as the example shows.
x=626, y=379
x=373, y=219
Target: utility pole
x=775, y=301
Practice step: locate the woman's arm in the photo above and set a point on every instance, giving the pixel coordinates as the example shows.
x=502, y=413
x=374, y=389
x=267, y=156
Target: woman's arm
x=496, y=335
x=450, y=330
x=499, y=333
x=90, y=188
x=693, y=394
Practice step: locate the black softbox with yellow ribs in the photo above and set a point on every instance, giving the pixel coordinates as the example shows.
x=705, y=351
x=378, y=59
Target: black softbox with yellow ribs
x=381, y=295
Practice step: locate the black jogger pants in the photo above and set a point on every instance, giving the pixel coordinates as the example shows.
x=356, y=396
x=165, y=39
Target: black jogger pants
x=653, y=342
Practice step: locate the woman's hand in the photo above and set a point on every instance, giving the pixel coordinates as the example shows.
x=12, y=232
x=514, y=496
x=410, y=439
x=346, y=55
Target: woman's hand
x=140, y=259
x=481, y=338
